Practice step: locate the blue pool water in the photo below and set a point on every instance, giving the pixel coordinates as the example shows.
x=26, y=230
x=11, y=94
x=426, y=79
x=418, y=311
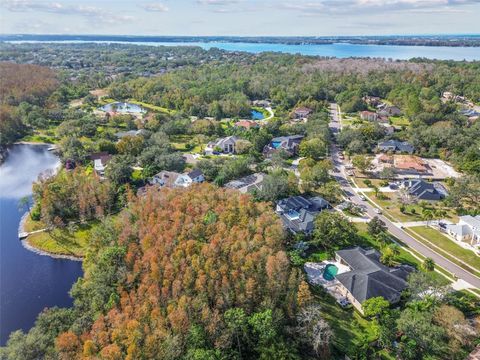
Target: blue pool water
x=123, y=108
x=276, y=144
x=257, y=115
x=330, y=272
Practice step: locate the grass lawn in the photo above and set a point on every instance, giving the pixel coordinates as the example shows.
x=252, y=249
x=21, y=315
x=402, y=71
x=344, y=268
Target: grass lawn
x=153, y=107
x=348, y=326
x=374, y=182
x=399, y=121
x=448, y=246
x=60, y=241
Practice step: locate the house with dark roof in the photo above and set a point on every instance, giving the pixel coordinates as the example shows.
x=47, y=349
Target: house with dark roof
x=298, y=213
x=288, y=144
x=247, y=184
x=369, y=278
x=390, y=111
x=422, y=190
x=396, y=146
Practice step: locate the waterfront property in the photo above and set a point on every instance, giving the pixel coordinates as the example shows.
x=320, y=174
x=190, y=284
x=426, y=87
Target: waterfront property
x=368, y=277
x=288, y=144
x=226, y=145
x=247, y=184
x=298, y=213
x=257, y=115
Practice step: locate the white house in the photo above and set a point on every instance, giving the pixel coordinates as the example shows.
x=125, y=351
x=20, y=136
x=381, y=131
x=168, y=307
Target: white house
x=187, y=179
x=174, y=179
x=467, y=230
x=225, y=145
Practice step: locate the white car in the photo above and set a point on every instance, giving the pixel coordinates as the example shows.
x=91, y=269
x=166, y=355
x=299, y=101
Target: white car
x=377, y=210
x=362, y=198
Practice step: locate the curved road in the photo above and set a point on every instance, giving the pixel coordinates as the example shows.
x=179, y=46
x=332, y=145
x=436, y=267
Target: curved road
x=340, y=176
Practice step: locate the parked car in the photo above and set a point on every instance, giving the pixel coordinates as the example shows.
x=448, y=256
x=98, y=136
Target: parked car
x=377, y=210
x=362, y=198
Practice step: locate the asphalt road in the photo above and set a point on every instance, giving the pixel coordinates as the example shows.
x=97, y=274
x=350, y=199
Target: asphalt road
x=393, y=229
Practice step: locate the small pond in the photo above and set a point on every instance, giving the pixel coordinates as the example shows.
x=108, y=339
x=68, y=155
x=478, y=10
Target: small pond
x=123, y=108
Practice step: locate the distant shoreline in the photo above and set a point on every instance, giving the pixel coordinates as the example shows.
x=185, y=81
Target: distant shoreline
x=406, y=40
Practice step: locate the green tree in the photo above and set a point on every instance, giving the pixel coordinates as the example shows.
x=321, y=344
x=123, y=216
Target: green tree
x=428, y=264
x=362, y=163
x=375, y=307
x=333, y=230
x=376, y=226
x=313, y=148
x=119, y=169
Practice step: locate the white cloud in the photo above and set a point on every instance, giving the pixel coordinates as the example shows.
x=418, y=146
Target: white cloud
x=155, y=7
x=90, y=13
x=370, y=6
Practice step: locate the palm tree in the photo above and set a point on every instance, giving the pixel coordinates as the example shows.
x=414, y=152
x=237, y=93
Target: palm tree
x=428, y=264
x=427, y=215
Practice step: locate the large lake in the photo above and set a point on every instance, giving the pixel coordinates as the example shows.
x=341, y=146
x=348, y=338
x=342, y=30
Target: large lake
x=340, y=50
x=29, y=282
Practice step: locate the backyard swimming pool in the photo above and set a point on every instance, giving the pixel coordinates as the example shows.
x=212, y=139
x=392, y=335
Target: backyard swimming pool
x=257, y=115
x=330, y=272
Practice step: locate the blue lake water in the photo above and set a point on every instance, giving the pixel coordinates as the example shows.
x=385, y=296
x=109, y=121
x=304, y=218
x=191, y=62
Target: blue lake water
x=340, y=50
x=29, y=282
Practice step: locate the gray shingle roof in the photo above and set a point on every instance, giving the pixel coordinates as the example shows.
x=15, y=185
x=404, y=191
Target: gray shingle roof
x=424, y=190
x=370, y=278
x=395, y=145
x=298, y=213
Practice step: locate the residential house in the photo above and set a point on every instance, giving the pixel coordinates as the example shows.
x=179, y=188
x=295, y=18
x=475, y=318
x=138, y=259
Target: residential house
x=410, y=165
x=289, y=144
x=122, y=134
x=247, y=124
x=372, y=100
x=262, y=103
x=302, y=112
x=396, y=146
x=369, y=278
x=368, y=115
x=226, y=145
x=187, y=179
x=165, y=178
x=298, y=213
x=466, y=230
x=422, y=190
x=247, y=184
x=390, y=111
x=100, y=161
x=172, y=179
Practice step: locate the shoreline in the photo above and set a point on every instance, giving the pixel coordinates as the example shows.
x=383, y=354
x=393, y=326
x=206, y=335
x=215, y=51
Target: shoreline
x=25, y=243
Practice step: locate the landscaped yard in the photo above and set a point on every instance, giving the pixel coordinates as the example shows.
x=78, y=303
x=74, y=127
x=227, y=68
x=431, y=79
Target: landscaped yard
x=399, y=121
x=60, y=241
x=449, y=247
x=182, y=143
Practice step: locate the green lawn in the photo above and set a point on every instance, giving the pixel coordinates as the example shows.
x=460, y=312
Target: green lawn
x=448, y=246
x=399, y=121
x=349, y=326
x=60, y=241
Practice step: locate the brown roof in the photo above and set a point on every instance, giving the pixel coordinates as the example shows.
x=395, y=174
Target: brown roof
x=410, y=162
x=247, y=124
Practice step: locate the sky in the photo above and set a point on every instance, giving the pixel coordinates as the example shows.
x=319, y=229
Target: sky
x=240, y=17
